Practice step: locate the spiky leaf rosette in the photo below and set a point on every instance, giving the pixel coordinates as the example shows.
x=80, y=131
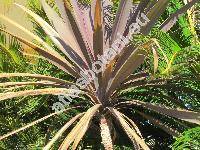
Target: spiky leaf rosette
x=83, y=34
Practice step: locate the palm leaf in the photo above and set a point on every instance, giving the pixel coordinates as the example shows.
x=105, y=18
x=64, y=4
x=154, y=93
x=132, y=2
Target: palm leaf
x=161, y=125
x=77, y=32
x=79, y=130
x=153, y=15
x=130, y=132
x=8, y=84
x=52, y=57
x=54, y=35
x=166, y=26
x=53, y=91
x=35, y=76
x=81, y=16
x=121, y=19
x=189, y=116
x=61, y=131
x=125, y=66
x=33, y=123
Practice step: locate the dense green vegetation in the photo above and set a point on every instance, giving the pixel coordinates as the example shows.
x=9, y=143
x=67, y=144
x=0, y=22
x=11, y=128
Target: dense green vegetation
x=189, y=140
x=174, y=73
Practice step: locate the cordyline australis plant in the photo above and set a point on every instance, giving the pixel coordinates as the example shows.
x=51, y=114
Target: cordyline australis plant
x=82, y=33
